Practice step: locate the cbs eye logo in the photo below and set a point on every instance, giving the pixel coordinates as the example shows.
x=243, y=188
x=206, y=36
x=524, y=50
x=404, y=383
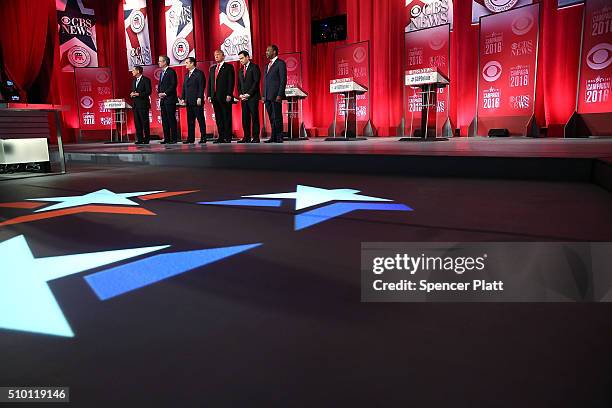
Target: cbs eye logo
x=600, y=56
x=522, y=24
x=492, y=71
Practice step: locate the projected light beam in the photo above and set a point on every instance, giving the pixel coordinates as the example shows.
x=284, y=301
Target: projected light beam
x=26, y=301
x=319, y=215
x=135, y=275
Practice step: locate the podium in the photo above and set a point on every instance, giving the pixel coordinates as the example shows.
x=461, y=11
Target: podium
x=349, y=89
x=428, y=80
x=119, y=108
x=295, y=127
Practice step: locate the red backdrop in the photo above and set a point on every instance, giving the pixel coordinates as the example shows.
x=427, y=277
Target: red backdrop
x=34, y=63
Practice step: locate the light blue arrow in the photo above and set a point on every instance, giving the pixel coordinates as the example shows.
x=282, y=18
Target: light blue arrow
x=135, y=275
x=26, y=301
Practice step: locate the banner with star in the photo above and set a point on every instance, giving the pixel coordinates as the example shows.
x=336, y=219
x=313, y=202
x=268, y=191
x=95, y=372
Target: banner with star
x=482, y=8
x=234, y=28
x=180, y=41
x=77, y=35
x=596, y=60
x=137, y=42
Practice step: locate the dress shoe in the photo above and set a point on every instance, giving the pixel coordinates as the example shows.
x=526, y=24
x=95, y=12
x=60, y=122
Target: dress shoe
x=202, y=141
x=139, y=143
x=218, y=141
x=163, y=142
x=269, y=141
x=255, y=141
x=173, y=142
x=244, y=141
x=188, y=142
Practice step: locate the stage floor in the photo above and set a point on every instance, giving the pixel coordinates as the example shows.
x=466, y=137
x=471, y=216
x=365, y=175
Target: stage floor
x=281, y=324
x=463, y=146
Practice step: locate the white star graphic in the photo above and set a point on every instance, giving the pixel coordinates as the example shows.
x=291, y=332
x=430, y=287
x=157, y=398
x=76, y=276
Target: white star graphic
x=306, y=196
x=103, y=196
x=26, y=301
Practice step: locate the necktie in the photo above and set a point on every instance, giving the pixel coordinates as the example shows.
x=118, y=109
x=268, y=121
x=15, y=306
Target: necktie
x=217, y=73
x=137, y=81
x=244, y=71
x=161, y=77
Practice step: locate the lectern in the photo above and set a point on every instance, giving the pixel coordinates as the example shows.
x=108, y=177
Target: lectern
x=119, y=109
x=349, y=90
x=428, y=81
x=295, y=95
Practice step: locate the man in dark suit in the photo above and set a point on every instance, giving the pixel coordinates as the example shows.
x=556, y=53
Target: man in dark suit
x=141, y=89
x=166, y=90
x=249, y=77
x=193, y=98
x=221, y=81
x=275, y=81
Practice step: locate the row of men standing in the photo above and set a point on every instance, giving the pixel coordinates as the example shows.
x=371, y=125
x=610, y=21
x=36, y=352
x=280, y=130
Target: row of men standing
x=220, y=91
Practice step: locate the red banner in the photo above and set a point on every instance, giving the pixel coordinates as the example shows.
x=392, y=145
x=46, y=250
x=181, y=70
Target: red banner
x=353, y=61
x=596, y=61
x=507, y=73
x=426, y=49
x=294, y=68
x=482, y=8
x=93, y=86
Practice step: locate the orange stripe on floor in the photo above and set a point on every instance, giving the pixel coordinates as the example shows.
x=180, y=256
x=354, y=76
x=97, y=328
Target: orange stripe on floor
x=22, y=204
x=157, y=196
x=102, y=209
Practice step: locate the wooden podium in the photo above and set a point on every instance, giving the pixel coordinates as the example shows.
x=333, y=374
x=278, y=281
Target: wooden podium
x=428, y=81
x=295, y=127
x=349, y=89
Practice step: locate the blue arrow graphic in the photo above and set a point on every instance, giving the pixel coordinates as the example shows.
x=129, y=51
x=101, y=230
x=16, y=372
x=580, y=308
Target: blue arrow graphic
x=319, y=215
x=135, y=275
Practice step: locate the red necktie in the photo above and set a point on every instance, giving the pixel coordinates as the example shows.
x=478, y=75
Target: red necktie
x=244, y=71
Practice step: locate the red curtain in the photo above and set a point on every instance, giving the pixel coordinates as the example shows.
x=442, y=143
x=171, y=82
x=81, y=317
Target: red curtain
x=30, y=52
x=24, y=39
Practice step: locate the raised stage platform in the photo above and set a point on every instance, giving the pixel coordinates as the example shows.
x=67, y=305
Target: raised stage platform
x=580, y=160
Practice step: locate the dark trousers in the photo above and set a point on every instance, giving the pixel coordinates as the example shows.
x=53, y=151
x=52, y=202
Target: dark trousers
x=168, y=115
x=141, y=122
x=275, y=113
x=195, y=112
x=250, y=119
x=223, y=117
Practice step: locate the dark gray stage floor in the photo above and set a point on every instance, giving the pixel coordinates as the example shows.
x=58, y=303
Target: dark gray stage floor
x=282, y=324
x=474, y=146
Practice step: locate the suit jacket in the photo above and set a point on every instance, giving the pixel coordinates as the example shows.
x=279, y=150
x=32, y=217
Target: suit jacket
x=275, y=80
x=193, y=87
x=224, y=85
x=144, y=91
x=168, y=85
x=250, y=84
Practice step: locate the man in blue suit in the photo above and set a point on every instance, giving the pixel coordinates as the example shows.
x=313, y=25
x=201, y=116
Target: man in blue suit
x=275, y=81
